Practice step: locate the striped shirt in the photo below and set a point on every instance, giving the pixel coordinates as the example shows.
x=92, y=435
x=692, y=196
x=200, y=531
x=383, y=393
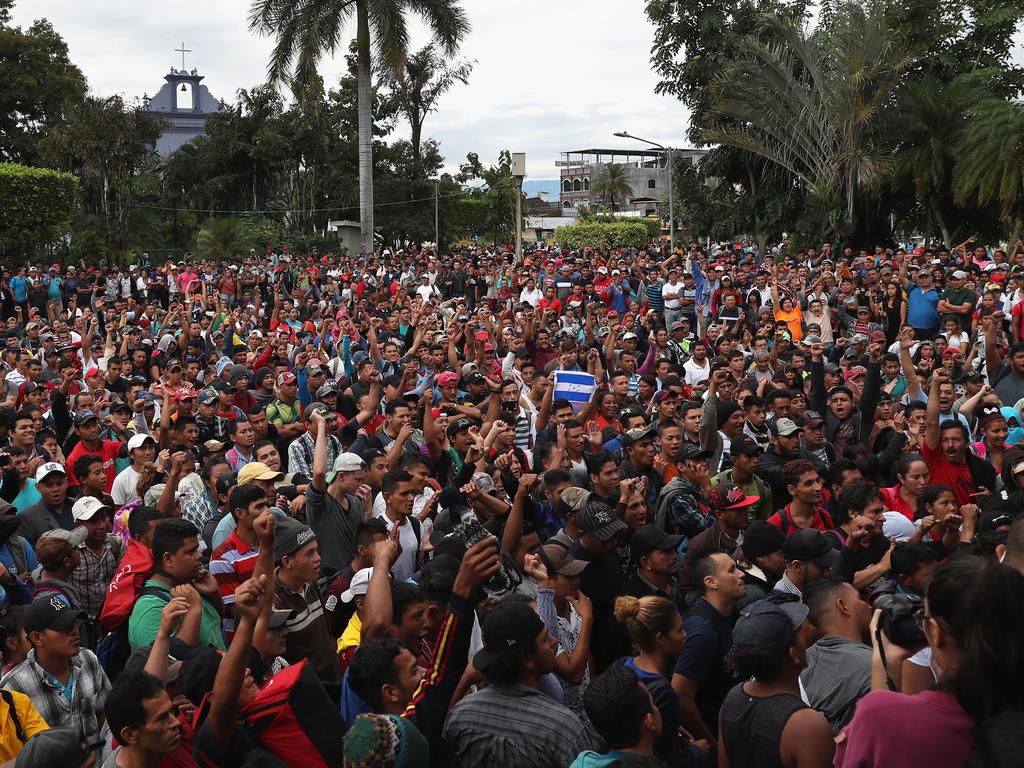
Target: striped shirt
x=309, y=635
x=514, y=725
x=232, y=563
x=654, y=297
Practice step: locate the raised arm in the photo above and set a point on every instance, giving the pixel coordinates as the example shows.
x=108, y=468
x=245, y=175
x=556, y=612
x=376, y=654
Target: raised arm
x=992, y=357
x=909, y=373
x=932, y=432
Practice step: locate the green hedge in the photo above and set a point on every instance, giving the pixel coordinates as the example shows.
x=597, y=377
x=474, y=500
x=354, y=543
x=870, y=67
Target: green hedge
x=621, y=234
x=37, y=205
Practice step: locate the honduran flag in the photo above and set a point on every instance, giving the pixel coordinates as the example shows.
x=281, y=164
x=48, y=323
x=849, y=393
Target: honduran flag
x=575, y=387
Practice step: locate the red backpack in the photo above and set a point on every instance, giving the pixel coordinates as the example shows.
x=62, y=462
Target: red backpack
x=295, y=720
x=135, y=567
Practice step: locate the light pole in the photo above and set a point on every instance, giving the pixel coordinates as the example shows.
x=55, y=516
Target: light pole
x=671, y=202
x=437, y=230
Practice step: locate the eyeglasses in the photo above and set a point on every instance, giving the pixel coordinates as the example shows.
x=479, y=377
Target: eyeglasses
x=920, y=617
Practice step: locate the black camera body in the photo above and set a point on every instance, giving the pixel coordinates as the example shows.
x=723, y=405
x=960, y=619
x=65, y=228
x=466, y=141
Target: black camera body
x=897, y=619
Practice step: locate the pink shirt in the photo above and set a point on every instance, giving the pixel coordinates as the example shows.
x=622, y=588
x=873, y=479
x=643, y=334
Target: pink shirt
x=897, y=731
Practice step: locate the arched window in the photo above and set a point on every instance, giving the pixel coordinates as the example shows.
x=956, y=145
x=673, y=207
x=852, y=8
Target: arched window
x=652, y=183
x=577, y=185
x=566, y=185
x=586, y=183
x=183, y=96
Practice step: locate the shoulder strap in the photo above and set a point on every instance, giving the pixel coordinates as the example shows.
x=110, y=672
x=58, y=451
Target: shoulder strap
x=19, y=731
x=416, y=528
x=17, y=546
x=787, y=523
x=158, y=592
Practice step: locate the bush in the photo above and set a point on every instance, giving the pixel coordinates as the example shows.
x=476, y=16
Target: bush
x=620, y=234
x=37, y=205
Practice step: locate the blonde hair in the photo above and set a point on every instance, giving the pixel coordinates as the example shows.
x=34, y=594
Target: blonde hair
x=646, y=617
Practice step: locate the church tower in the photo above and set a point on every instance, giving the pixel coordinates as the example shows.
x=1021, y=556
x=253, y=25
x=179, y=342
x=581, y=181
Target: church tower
x=184, y=102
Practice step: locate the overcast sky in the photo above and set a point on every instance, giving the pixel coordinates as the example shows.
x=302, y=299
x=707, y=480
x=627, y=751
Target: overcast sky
x=549, y=76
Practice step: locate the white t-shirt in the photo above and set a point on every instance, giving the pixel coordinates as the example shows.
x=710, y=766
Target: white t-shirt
x=533, y=297
x=696, y=374
x=668, y=288
x=405, y=566
x=123, y=489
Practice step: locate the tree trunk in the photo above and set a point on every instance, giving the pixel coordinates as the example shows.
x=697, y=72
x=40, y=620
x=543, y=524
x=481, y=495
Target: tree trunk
x=416, y=135
x=365, y=102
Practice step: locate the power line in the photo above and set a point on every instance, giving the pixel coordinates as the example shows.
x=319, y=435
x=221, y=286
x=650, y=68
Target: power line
x=306, y=210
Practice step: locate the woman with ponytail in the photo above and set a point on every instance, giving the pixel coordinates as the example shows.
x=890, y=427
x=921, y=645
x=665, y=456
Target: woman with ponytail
x=656, y=628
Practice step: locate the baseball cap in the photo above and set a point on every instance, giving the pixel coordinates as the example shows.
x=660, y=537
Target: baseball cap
x=638, y=434
x=49, y=468
x=762, y=538
x=330, y=388
x=728, y=495
x=744, y=445
x=257, y=470
x=139, y=440
x=458, y=426
x=222, y=386
x=84, y=417
x=54, y=545
x=207, y=396
x=663, y=394
x=51, y=612
x=557, y=558
x=766, y=628
x=447, y=379
x=575, y=498
x=286, y=378
x=185, y=393
x=599, y=520
x=55, y=746
x=469, y=368
x=87, y=507
x=358, y=586
x=856, y=372
x=346, y=462
x=810, y=546
x=289, y=536
x=784, y=427
x=507, y=628
x=876, y=337
x=649, y=538
x=813, y=419
x=959, y=274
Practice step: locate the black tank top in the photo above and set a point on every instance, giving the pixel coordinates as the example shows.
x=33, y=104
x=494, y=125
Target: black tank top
x=752, y=727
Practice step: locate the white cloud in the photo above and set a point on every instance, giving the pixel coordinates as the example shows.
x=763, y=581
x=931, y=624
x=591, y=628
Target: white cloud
x=549, y=76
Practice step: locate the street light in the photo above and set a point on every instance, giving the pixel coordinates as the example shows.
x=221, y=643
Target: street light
x=671, y=207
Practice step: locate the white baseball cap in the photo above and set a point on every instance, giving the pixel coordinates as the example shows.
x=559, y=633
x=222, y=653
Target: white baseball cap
x=358, y=586
x=87, y=507
x=49, y=468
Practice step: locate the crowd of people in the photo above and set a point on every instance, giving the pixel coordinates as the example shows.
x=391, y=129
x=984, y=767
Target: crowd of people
x=366, y=509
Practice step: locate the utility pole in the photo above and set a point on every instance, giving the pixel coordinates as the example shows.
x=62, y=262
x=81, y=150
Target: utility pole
x=518, y=172
x=437, y=229
x=671, y=201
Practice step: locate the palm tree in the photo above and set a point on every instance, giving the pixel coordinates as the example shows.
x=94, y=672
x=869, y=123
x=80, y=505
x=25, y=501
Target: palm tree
x=612, y=182
x=306, y=30
x=812, y=104
x=424, y=79
x=925, y=141
x=990, y=158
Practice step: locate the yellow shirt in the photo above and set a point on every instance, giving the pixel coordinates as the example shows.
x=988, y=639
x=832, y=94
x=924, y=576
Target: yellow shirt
x=31, y=724
x=350, y=637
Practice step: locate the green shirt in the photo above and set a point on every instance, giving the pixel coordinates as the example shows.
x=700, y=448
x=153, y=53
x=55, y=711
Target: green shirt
x=963, y=296
x=282, y=413
x=145, y=620
x=763, y=509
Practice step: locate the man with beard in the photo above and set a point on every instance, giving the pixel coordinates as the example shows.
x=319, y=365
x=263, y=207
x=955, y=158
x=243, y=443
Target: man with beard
x=804, y=486
x=785, y=447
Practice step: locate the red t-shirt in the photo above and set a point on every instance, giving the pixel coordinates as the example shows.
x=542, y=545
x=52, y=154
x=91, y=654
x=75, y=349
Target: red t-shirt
x=109, y=450
x=822, y=521
x=943, y=472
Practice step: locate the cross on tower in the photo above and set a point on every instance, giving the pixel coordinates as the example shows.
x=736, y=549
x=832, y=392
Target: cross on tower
x=183, y=50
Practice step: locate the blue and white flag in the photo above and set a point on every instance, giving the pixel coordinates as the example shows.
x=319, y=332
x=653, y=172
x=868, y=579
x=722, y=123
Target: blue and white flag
x=575, y=387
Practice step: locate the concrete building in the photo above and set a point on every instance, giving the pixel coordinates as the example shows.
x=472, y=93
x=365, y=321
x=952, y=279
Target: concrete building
x=646, y=172
x=185, y=103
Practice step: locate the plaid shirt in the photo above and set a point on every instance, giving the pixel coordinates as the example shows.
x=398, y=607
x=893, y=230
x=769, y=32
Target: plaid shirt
x=88, y=695
x=514, y=725
x=93, y=575
x=300, y=453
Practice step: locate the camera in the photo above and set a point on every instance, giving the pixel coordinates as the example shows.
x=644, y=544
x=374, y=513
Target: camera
x=897, y=620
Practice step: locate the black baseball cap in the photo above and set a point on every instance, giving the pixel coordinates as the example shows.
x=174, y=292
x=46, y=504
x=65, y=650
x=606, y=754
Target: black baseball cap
x=458, y=426
x=507, y=628
x=51, y=612
x=599, y=520
x=762, y=538
x=689, y=451
x=766, y=629
x=810, y=546
x=84, y=417
x=812, y=419
x=55, y=746
x=649, y=538
x=289, y=536
x=744, y=445
x=636, y=435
